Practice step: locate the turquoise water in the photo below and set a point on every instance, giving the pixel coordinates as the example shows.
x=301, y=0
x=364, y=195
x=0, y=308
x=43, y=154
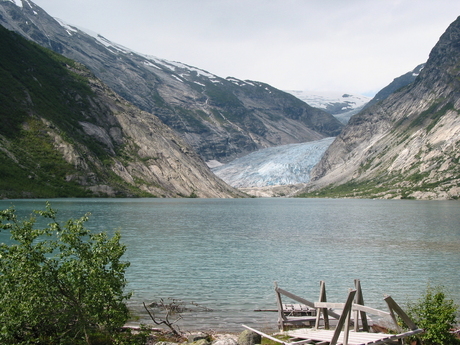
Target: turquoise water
x=225, y=254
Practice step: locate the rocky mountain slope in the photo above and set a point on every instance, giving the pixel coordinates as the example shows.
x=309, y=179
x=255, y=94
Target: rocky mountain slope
x=220, y=118
x=65, y=133
x=341, y=105
x=407, y=145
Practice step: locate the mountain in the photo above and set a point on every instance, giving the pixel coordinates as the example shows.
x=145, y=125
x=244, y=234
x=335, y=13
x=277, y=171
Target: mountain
x=407, y=145
x=273, y=166
x=395, y=85
x=65, y=133
x=221, y=118
x=341, y=105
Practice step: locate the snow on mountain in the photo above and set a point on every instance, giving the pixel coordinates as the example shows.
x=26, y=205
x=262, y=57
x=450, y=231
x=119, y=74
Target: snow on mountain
x=325, y=100
x=17, y=2
x=341, y=105
x=281, y=165
x=151, y=61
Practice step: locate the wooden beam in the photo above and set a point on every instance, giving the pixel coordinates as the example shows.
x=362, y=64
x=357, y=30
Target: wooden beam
x=394, y=306
x=360, y=300
x=344, y=317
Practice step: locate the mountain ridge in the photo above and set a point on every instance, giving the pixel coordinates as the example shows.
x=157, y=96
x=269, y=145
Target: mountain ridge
x=65, y=133
x=407, y=145
x=221, y=118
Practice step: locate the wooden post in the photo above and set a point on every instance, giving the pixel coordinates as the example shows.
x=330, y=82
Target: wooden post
x=344, y=318
x=322, y=298
x=360, y=300
x=281, y=316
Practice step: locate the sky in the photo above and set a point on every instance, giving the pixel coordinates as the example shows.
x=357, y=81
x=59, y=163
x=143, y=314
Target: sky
x=349, y=46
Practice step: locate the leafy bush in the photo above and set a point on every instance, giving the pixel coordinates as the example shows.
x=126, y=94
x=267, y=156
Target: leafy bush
x=59, y=284
x=436, y=314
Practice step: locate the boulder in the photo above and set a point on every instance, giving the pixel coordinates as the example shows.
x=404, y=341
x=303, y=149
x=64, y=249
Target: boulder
x=248, y=337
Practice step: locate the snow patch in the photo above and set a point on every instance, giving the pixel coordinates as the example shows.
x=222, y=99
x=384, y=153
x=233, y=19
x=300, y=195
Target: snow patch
x=148, y=63
x=177, y=78
x=213, y=163
x=17, y=2
x=69, y=29
x=193, y=69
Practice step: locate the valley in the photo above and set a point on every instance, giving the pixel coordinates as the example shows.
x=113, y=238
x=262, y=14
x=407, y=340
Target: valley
x=130, y=124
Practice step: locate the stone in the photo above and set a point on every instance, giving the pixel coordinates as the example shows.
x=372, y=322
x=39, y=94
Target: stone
x=200, y=342
x=194, y=337
x=248, y=337
x=225, y=341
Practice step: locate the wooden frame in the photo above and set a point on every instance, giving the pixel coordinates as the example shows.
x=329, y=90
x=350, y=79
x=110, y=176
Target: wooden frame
x=342, y=335
x=285, y=320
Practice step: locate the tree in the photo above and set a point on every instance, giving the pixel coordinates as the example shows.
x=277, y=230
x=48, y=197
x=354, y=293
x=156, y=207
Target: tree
x=436, y=314
x=59, y=284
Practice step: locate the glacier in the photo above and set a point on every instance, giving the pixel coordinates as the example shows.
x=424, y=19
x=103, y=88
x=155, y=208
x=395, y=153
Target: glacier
x=341, y=105
x=273, y=166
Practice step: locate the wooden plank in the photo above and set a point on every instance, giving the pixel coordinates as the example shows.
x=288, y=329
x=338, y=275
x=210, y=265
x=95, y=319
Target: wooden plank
x=345, y=317
x=265, y=335
x=370, y=310
x=294, y=297
x=354, y=338
x=305, y=341
x=394, y=306
x=333, y=305
x=302, y=300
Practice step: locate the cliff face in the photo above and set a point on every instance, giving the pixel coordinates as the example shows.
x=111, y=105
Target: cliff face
x=220, y=118
x=408, y=145
x=65, y=133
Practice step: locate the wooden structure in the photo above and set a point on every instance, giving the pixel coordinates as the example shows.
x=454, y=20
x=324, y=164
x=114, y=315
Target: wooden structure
x=353, y=313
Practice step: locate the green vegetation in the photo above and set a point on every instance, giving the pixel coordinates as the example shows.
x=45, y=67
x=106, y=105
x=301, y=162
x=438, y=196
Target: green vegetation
x=436, y=314
x=42, y=170
x=434, y=113
x=44, y=95
x=35, y=80
x=351, y=189
x=61, y=284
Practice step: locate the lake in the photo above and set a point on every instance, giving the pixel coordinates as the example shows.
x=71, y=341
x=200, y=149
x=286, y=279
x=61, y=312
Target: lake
x=225, y=254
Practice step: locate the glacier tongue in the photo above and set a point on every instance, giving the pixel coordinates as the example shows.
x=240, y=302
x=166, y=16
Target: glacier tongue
x=280, y=165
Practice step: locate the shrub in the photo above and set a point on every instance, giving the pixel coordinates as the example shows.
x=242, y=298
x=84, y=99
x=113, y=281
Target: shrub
x=59, y=284
x=436, y=314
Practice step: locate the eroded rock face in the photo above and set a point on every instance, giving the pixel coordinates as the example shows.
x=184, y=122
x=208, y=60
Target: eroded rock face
x=66, y=133
x=141, y=150
x=221, y=118
x=408, y=144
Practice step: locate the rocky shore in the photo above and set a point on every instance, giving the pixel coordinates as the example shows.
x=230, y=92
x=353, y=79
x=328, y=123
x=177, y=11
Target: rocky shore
x=204, y=338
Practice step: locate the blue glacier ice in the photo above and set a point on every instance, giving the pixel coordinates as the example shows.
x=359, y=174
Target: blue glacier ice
x=280, y=165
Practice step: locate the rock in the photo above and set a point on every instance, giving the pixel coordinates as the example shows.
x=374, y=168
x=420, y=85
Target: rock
x=248, y=337
x=197, y=336
x=201, y=342
x=225, y=341
x=406, y=144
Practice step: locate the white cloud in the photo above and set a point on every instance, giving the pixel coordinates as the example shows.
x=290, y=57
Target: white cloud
x=348, y=46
